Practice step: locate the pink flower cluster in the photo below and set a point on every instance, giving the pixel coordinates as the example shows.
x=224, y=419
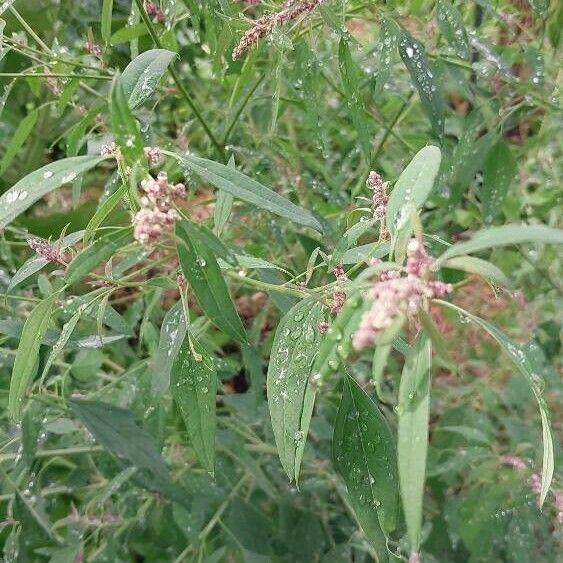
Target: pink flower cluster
x=290, y=11
x=153, y=10
x=395, y=296
x=152, y=154
x=514, y=461
x=111, y=149
x=156, y=214
x=92, y=48
x=47, y=251
x=379, y=198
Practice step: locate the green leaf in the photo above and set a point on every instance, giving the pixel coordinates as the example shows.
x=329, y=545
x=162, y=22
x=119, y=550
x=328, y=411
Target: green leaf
x=102, y=249
x=200, y=267
x=291, y=393
x=337, y=343
x=107, y=9
x=172, y=334
x=380, y=357
x=105, y=208
x=452, y=27
x=493, y=237
x=37, y=263
x=116, y=430
x=35, y=185
x=128, y=33
x=352, y=91
x=424, y=79
x=223, y=207
x=25, y=127
x=350, y=237
x=124, y=126
x=193, y=384
x=413, y=186
x=365, y=251
x=412, y=443
x=142, y=75
x=241, y=186
x=474, y=265
x=525, y=365
x=385, y=50
x=498, y=172
x=364, y=453
x=33, y=332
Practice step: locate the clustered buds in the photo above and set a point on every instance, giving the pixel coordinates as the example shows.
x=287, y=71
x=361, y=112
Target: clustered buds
x=396, y=296
x=47, y=251
x=379, y=197
x=92, y=48
x=323, y=327
x=152, y=154
x=514, y=461
x=111, y=149
x=156, y=214
x=291, y=10
x=52, y=82
x=153, y=10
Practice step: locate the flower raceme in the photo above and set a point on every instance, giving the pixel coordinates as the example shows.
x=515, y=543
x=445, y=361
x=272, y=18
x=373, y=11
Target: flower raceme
x=399, y=297
x=156, y=214
x=263, y=26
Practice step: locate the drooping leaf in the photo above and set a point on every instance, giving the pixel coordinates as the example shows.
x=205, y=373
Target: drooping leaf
x=364, y=453
x=200, y=267
x=385, y=50
x=142, y=75
x=412, y=443
x=35, y=185
x=452, y=28
x=291, y=393
x=33, y=332
x=498, y=172
x=193, y=384
x=474, y=265
x=86, y=261
x=413, y=186
x=241, y=186
x=172, y=334
x=25, y=127
x=525, y=366
x=124, y=125
x=423, y=76
x=494, y=237
x=352, y=91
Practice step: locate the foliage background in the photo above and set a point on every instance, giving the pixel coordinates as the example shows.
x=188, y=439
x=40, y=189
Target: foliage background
x=292, y=120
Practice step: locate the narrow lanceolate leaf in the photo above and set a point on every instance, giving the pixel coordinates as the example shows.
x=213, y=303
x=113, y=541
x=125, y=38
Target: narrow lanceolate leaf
x=101, y=250
x=364, y=453
x=291, y=393
x=424, y=79
x=498, y=172
x=25, y=127
x=525, y=366
x=33, y=332
x=117, y=431
x=352, y=91
x=193, y=384
x=35, y=185
x=474, y=265
x=172, y=334
x=105, y=208
x=385, y=50
x=452, y=27
x=124, y=126
x=241, y=186
x=107, y=9
x=503, y=236
x=412, y=445
x=200, y=267
x=413, y=186
x=337, y=344
x=142, y=75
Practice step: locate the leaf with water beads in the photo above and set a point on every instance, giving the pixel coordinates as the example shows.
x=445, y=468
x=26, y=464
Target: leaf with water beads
x=39, y=183
x=337, y=344
x=412, y=441
x=498, y=172
x=526, y=365
x=451, y=25
x=203, y=273
x=364, y=453
x=193, y=384
x=32, y=335
x=291, y=393
x=423, y=77
x=385, y=50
